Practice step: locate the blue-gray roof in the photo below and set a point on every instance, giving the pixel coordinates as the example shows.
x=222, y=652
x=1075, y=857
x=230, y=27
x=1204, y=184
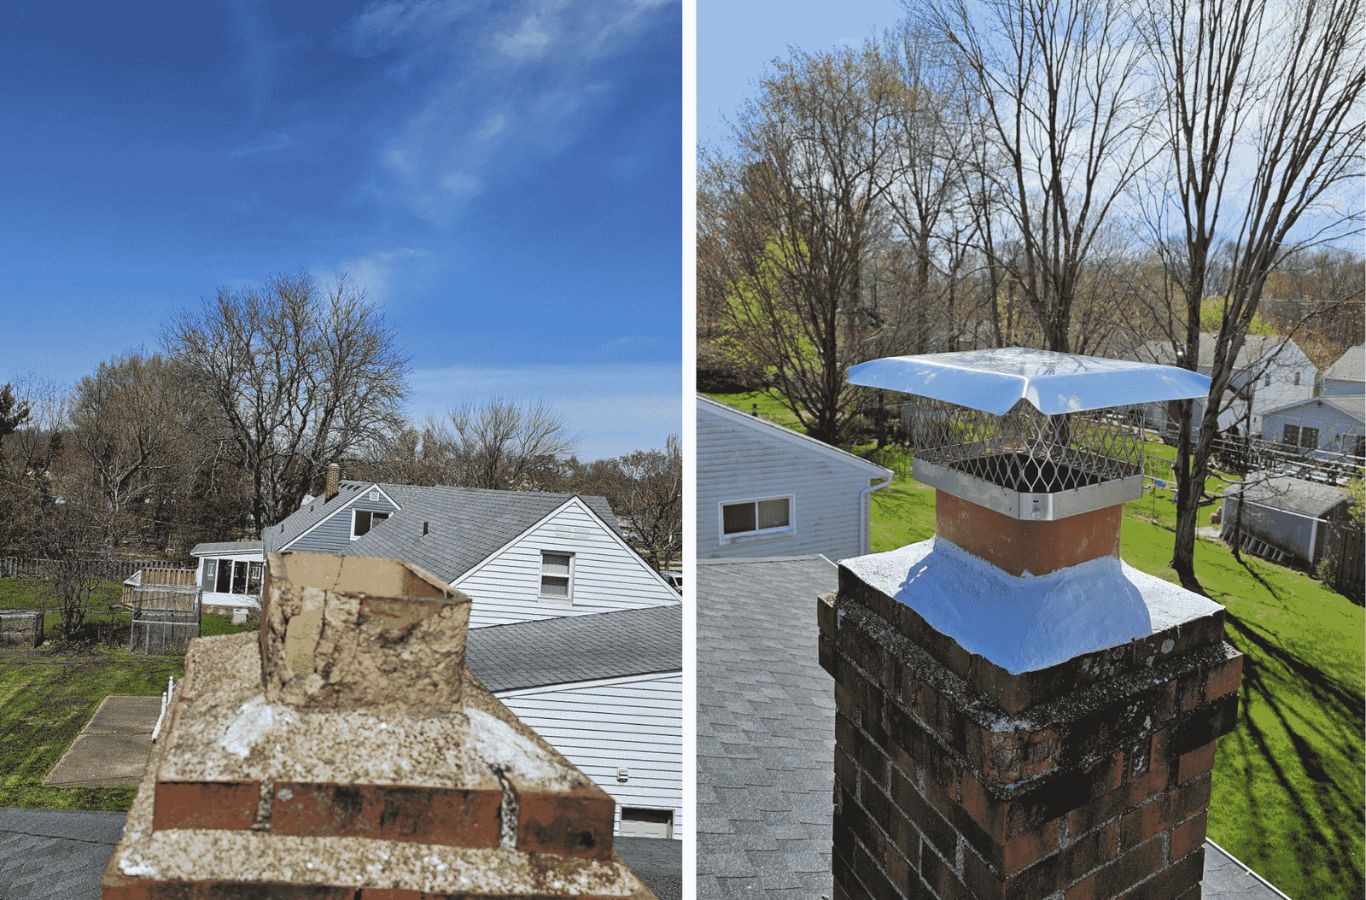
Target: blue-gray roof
x=464, y=525
x=571, y=649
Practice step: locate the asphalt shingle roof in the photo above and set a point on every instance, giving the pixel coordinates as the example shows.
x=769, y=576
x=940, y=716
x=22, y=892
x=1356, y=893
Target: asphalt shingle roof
x=766, y=738
x=1256, y=350
x=577, y=648
x=1350, y=366
x=211, y=547
x=1297, y=495
x=465, y=525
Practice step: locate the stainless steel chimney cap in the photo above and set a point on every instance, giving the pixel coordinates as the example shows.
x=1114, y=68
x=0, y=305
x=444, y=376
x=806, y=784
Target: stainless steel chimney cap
x=994, y=381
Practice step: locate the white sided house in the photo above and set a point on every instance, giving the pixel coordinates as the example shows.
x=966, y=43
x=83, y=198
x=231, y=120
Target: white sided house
x=1269, y=372
x=520, y=555
x=607, y=692
x=765, y=491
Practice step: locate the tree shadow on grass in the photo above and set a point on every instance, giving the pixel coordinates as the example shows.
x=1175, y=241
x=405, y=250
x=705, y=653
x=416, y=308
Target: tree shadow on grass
x=1329, y=810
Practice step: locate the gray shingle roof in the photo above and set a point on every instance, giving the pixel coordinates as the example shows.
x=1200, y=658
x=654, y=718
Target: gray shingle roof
x=1297, y=495
x=211, y=547
x=465, y=525
x=577, y=648
x=1257, y=349
x=1347, y=405
x=1350, y=366
x=765, y=729
x=766, y=737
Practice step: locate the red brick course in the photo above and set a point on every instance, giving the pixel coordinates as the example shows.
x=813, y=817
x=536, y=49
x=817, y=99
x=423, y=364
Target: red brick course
x=457, y=818
x=205, y=804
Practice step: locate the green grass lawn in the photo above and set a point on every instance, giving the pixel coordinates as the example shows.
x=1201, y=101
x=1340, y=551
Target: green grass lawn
x=49, y=693
x=1290, y=779
x=771, y=406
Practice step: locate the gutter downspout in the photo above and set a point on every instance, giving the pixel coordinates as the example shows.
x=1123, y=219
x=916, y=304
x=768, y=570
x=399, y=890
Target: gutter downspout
x=866, y=510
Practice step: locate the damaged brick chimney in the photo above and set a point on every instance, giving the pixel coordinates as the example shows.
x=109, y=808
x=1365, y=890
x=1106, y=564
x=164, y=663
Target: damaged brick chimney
x=346, y=752
x=1020, y=714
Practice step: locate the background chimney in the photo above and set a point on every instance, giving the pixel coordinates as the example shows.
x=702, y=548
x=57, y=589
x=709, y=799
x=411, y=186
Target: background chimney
x=333, y=481
x=1008, y=736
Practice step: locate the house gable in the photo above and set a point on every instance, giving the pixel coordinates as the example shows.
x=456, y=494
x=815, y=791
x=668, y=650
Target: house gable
x=607, y=574
x=332, y=534
x=740, y=459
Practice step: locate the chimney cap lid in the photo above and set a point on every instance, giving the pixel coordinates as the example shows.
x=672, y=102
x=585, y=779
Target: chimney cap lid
x=994, y=381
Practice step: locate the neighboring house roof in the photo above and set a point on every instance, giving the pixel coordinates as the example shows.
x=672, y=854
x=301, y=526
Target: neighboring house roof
x=1256, y=350
x=763, y=426
x=212, y=547
x=1349, y=406
x=572, y=649
x=766, y=738
x=465, y=525
x=1350, y=366
x=1308, y=498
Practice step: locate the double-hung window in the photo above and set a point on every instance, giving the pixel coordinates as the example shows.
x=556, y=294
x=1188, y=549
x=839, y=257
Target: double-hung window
x=772, y=515
x=557, y=576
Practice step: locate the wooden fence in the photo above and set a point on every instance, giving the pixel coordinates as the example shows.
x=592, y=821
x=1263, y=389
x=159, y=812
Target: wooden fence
x=165, y=618
x=1345, y=547
x=154, y=577
x=111, y=569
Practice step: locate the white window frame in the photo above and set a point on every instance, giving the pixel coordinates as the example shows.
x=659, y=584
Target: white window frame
x=540, y=577
x=789, y=528
x=373, y=512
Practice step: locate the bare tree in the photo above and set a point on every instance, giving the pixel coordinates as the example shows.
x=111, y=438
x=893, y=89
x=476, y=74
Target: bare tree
x=1262, y=128
x=128, y=424
x=296, y=377
x=1059, y=90
x=504, y=445
x=788, y=220
x=653, y=501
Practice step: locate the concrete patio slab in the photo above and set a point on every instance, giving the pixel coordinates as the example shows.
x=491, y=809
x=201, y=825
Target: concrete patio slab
x=112, y=749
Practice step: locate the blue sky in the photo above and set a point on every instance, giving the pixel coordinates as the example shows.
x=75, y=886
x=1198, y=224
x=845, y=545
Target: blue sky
x=502, y=177
x=737, y=40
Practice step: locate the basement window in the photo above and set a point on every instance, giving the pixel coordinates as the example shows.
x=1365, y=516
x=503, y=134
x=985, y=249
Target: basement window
x=772, y=515
x=653, y=823
x=557, y=576
x=362, y=520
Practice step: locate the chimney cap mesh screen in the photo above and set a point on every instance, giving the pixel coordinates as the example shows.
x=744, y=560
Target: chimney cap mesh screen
x=1025, y=450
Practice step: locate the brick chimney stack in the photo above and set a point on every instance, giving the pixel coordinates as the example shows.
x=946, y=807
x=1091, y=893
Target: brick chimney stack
x=346, y=751
x=333, y=481
x=1019, y=714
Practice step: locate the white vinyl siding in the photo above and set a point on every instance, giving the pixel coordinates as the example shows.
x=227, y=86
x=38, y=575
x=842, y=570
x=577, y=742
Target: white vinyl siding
x=737, y=461
x=607, y=575
x=602, y=727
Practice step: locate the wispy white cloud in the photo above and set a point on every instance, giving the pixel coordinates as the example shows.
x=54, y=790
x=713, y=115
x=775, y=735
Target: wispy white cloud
x=488, y=88
x=280, y=140
x=610, y=409
x=373, y=273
